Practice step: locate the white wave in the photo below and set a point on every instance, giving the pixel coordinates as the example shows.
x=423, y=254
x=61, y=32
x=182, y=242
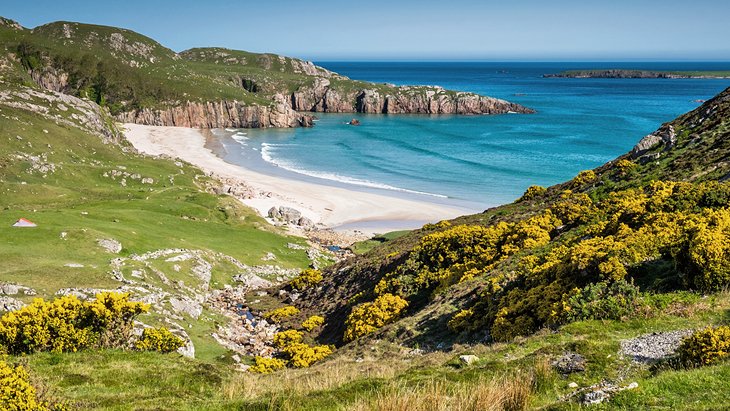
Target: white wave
x=266, y=155
x=239, y=138
x=231, y=130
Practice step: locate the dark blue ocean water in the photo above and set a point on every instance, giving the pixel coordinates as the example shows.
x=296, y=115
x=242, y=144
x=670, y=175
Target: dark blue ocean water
x=479, y=161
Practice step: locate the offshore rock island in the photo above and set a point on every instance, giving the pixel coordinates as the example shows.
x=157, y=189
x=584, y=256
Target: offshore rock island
x=645, y=74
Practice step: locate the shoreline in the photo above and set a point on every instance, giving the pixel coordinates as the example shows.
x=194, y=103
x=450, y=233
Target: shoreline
x=336, y=208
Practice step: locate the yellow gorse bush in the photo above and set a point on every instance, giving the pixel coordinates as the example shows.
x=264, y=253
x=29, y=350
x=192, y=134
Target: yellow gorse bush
x=264, y=365
x=307, y=278
x=281, y=313
x=16, y=391
x=68, y=324
x=285, y=338
x=313, y=322
x=160, y=340
x=706, y=346
x=366, y=318
x=302, y=355
x=532, y=192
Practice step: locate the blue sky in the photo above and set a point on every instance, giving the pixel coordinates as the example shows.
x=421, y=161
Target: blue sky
x=585, y=30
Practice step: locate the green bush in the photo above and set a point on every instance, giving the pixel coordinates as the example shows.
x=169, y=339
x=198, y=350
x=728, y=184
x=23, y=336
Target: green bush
x=600, y=301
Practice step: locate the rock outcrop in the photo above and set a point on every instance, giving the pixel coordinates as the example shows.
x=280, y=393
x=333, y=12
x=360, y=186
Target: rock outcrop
x=321, y=96
x=219, y=114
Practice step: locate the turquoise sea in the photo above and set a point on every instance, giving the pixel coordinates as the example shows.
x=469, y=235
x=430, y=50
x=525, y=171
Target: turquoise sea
x=477, y=161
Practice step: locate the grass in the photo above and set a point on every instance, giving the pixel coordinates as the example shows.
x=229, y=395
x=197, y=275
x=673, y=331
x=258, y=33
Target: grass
x=80, y=203
x=379, y=375
x=362, y=247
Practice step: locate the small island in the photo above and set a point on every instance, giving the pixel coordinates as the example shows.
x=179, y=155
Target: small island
x=626, y=73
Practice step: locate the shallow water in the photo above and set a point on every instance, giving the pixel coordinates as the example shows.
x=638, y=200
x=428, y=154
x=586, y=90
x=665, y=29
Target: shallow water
x=477, y=161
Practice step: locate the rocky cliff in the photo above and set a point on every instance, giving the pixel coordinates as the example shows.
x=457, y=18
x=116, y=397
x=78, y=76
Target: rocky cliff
x=219, y=114
x=322, y=96
x=139, y=80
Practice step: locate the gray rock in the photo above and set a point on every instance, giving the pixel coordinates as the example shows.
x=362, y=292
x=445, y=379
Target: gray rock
x=10, y=304
x=653, y=347
x=110, y=245
x=305, y=222
x=569, y=363
x=290, y=215
x=468, y=359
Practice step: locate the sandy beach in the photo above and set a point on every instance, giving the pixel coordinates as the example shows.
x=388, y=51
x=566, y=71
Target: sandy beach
x=329, y=206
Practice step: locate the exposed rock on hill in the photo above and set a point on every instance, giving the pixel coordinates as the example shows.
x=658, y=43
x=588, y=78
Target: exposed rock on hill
x=323, y=97
x=219, y=114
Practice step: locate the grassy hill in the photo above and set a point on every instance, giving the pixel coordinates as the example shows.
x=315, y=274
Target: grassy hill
x=573, y=293
x=131, y=74
x=83, y=185
x=415, y=361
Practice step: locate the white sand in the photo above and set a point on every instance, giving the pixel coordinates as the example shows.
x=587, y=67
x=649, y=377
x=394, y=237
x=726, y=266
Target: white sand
x=330, y=206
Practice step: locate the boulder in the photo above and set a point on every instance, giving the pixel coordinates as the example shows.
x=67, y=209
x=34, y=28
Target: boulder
x=569, y=363
x=468, y=359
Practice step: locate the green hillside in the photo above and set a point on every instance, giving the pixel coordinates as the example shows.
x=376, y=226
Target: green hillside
x=597, y=292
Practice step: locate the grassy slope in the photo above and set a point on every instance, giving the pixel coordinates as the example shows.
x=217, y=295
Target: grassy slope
x=138, y=72
x=120, y=381
x=79, y=200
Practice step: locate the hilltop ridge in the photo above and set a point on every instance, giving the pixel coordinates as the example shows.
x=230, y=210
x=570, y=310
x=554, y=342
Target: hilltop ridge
x=141, y=81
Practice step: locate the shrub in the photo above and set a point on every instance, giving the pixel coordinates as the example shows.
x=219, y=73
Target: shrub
x=437, y=226
x=705, y=347
x=307, y=278
x=600, y=301
x=302, y=355
x=159, y=339
x=67, y=324
x=584, y=177
x=705, y=257
x=532, y=192
x=281, y=313
x=313, y=322
x=366, y=318
x=16, y=391
x=266, y=365
x=625, y=166
x=284, y=339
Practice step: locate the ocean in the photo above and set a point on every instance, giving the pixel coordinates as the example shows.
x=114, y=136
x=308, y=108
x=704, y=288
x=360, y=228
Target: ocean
x=476, y=162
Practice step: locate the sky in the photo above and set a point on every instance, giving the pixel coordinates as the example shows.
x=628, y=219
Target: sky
x=398, y=30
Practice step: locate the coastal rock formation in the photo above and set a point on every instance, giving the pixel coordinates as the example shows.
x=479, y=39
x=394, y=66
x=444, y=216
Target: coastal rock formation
x=665, y=136
x=323, y=97
x=219, y=114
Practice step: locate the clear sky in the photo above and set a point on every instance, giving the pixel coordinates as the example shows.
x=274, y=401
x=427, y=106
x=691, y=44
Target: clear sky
x=587, y=30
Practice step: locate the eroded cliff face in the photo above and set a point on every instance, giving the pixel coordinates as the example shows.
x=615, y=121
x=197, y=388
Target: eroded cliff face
x=219, y=114
x=323, y=97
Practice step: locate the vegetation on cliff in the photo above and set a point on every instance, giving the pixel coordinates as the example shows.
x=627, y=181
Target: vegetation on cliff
x=141, y=81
